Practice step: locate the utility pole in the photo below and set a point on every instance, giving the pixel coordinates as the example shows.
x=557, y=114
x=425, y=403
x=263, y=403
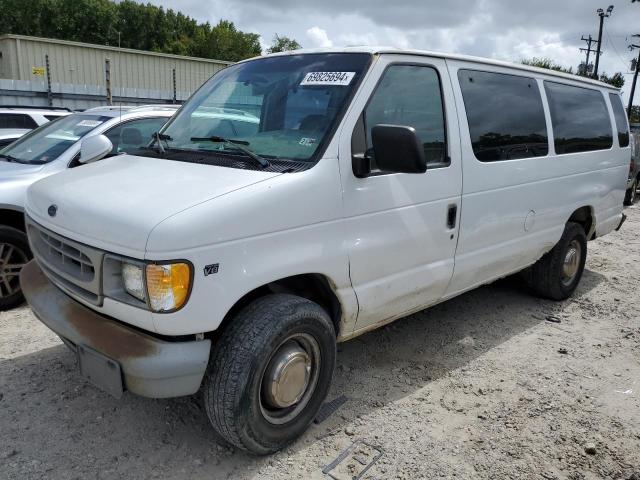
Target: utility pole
x=602, y=14
x=635, y=77
x=588, y=50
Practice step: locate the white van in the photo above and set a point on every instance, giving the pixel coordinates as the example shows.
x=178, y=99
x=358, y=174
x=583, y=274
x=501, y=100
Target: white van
x=378, y=182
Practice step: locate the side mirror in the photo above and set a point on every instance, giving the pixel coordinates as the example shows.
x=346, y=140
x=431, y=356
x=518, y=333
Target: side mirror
x=397, y=149
x=94, y=148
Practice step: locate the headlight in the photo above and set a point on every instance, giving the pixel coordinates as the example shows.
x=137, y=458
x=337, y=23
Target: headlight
x=164, y=287
x=133, y=281
x=168, y=285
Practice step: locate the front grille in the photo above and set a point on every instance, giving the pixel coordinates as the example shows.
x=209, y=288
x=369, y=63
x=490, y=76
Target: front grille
x=69, y=258
x=74, y=267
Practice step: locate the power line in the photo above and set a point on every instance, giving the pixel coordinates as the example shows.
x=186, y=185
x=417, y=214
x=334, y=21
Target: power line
x=625, y=62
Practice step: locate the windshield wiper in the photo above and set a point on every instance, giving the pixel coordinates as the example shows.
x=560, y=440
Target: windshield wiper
x=238, y=144
x=158, y=137
x=9, y=158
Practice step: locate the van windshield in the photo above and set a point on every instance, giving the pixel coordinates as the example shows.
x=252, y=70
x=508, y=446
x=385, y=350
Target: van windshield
x=279, y=107
x=51, y=140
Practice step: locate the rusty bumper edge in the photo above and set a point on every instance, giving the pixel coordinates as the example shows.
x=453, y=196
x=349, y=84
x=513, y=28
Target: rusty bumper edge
x=151, y=367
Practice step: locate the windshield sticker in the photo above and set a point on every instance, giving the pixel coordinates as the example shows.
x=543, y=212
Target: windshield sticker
x=328, y=78
x=307, y=142
x=88, y=123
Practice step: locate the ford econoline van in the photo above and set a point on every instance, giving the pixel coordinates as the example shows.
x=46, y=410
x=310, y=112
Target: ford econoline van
x=346, y=189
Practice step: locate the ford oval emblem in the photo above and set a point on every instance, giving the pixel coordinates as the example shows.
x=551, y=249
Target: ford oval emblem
x=52, y=210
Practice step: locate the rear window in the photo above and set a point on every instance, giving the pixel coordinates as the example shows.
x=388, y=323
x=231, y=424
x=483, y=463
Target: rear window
x=620, y=118
x=17, y=120
x=579, y=117
x=505, y=115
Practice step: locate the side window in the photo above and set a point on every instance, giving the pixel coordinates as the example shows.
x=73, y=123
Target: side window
x=579, y=117
x=130, y=136
x=411, y=96
x=620, y=118
x=17, y=120
x=505, y=116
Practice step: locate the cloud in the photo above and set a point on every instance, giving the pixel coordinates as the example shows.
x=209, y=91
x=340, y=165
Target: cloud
x=318, y=37
x=503, y=29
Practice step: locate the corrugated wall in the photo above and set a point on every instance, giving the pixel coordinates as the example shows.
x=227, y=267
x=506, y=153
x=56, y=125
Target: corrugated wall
x=84, y=64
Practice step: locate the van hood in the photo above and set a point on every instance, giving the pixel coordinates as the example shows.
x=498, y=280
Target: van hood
x=114, y=204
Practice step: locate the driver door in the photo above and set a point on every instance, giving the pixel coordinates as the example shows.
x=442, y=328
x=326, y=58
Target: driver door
x=402, y=229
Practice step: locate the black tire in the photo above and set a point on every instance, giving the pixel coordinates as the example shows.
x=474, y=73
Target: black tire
x=233, y=392
x=547, y=276
x=631, y=195
x=14, y=249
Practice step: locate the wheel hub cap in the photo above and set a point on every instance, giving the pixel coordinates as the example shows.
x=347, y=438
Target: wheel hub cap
x=287, y=376
x=571, y=262
x=12, y=259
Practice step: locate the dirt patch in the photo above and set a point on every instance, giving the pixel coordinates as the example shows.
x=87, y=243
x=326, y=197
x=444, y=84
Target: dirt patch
x=493, y=384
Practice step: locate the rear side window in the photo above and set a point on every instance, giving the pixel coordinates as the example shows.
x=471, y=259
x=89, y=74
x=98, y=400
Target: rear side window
x=579, y=117
x=17, y=120
x=621, y=119
x=409, y=95
x=505, y=116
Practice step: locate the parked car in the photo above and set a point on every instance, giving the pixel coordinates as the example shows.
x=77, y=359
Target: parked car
x=17, y=120
x=633, y=181
x=52, y=148
x=234, y=264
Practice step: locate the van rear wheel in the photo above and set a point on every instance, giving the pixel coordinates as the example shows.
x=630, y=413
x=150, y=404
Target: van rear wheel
x=557, y=274
x=14, y=254
x=269, y=372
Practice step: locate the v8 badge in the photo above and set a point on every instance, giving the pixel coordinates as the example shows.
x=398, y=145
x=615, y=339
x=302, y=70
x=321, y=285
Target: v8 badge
x=211, y=269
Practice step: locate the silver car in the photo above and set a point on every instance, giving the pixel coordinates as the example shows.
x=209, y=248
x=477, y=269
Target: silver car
x=49, y=149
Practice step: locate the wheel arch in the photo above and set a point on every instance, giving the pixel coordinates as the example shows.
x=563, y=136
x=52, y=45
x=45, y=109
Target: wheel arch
x=12, y=218
x=316, y=287
x=585, y=217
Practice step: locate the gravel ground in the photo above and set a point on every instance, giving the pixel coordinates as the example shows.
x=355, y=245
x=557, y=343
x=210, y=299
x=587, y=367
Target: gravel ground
x=493, y=384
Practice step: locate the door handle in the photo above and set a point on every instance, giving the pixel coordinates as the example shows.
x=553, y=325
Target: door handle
x=452, y=216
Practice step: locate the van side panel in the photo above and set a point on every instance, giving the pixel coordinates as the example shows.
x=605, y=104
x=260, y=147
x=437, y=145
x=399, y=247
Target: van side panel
x=513, y=211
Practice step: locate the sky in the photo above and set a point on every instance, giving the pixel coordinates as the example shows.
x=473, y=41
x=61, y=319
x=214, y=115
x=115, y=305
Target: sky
x=501, y=29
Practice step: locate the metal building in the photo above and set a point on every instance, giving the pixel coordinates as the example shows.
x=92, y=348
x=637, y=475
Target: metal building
x=43, y=71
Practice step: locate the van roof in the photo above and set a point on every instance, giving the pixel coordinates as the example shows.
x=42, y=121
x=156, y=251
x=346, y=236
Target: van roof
x=453, y=56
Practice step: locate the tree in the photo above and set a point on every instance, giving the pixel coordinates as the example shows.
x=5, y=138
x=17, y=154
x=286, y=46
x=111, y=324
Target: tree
x=283, y=44
x=544, y=62
x=617, y=80
x=134, y=25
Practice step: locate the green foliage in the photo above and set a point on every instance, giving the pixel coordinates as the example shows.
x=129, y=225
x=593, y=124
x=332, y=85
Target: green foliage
x=543, y=62
x=283, y=44
x=143, y=27
x=635, y=114
x=617, y=80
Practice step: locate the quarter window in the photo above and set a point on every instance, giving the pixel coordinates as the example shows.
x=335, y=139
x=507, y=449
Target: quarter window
x=620, y=118
x=409, y=95
x=579, y=117
x=505, y=116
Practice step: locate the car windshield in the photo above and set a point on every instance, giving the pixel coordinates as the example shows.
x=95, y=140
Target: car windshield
x=278, y=107
x=51, y=140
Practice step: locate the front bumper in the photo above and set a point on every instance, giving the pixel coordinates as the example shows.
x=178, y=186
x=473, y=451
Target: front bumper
x=150, y=367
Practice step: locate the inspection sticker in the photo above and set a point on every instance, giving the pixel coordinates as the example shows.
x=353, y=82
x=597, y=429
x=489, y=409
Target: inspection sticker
x=328, y=78
x=89, y=123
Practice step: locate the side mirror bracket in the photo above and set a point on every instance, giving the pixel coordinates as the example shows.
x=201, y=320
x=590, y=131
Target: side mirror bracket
x=361, y=165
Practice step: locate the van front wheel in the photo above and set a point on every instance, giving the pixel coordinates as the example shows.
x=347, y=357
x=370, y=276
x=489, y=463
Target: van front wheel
x=557, y=274
x=269, y=372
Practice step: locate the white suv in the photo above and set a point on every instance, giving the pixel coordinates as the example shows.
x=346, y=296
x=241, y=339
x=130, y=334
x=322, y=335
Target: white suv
x=15, y=121
x=234, y=254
